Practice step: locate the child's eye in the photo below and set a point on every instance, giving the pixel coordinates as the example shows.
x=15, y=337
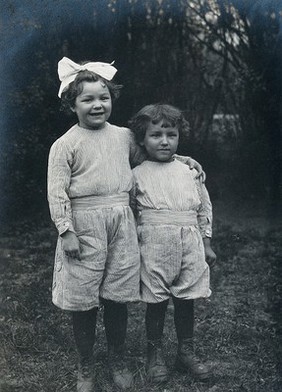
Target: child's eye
x=105, y=98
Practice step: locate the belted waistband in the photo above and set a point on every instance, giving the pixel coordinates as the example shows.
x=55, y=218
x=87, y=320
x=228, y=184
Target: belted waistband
x=93, y=202
x=167, y=217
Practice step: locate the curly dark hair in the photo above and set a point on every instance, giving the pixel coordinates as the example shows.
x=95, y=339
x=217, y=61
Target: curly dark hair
x=154, y=113
x=75, y=88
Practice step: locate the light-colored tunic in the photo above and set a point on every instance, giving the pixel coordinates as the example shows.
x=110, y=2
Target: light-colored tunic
x=94, y=165
x=83, y=163
x=172, y=251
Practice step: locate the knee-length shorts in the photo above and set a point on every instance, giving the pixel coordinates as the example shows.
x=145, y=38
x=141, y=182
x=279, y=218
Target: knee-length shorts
x=110, y=261
x=172, y=263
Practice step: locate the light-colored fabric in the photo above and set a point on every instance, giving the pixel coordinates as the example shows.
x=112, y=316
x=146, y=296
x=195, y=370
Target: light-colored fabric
x=172, y=186
x=86, y=162
x=68, y=70
x=172, y=263
x=172, y=250
x=89, y=177
x=93, y=202
x=162, y=217
x=110, y=262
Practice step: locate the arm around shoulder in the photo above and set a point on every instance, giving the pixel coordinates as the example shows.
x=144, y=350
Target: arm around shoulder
x=137, y=154
x=193, y=164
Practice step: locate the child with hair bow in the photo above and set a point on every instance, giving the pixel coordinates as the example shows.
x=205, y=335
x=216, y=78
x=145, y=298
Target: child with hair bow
x=97, y=257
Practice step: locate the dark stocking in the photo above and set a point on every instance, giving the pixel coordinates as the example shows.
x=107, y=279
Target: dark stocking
x=184, y=318
x=115, y=321
x=155, y=316
x=84, y=326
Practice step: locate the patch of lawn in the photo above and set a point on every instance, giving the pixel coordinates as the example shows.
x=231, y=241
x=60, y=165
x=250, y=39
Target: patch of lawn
x=238, y=330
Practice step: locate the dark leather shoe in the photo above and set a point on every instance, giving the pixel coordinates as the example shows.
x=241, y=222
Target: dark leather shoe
x=187, y=361
x=156, y=368
x=121, y=375
x=85, y=381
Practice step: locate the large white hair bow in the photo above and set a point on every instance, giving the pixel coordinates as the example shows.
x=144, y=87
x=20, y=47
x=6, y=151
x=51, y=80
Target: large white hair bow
x=68, y=69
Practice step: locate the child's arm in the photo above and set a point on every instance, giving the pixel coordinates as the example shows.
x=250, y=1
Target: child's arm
x=205, y=222
x=209, y=253
x=192, y=165
x=59, y=176
x=133, y=201
x=137, y=155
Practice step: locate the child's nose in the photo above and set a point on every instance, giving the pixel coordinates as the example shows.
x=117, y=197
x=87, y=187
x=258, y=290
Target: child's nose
x=164, y=140
x=96, y=104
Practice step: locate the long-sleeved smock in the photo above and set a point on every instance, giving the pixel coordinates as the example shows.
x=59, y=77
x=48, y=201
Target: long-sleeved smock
x=86, y=162
x=172, y=186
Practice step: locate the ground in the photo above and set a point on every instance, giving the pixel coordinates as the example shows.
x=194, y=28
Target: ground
x=238, y=330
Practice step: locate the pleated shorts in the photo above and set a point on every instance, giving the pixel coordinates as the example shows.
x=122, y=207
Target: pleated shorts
x=110, y=261
x=172, y=263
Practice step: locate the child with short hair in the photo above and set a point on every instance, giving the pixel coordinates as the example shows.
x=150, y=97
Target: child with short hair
x=97, y=256
x=174, y=216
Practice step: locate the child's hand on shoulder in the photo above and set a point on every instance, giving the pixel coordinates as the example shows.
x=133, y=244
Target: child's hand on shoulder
x=201, y=175
x=71, y=245
x=192, y=164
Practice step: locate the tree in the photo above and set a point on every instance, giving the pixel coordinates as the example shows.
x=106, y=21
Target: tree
x=205, y=56
x=247, y=36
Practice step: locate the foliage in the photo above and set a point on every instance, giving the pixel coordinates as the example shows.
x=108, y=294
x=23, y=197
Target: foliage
x=206, y=56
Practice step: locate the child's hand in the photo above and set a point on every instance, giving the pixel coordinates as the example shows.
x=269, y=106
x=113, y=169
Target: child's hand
x=209, y=253
x=210, y=256
x=195, y=165
x=71, y=245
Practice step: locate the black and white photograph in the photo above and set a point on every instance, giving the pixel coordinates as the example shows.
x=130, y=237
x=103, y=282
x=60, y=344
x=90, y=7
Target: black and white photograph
x=140, y=195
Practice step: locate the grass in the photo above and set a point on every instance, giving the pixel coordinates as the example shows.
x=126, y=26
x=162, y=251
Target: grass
x=238, y=330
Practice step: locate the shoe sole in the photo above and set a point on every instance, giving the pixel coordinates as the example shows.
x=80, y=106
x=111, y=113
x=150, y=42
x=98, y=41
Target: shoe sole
x=157, y=380
x=160, y=379
x=183, y=369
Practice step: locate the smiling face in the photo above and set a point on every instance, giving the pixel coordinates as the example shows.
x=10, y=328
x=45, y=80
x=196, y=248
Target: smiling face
x=93, y=106
x=161, y=141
